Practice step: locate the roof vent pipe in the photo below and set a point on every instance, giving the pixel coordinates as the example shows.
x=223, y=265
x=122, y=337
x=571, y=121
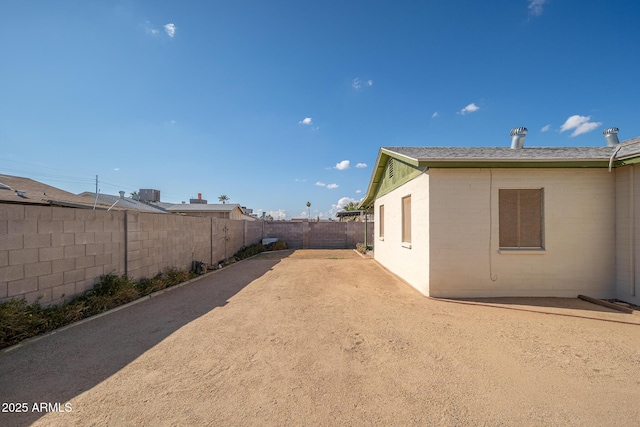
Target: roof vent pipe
x=611, y=136
x=121, y=194
x=517, y=137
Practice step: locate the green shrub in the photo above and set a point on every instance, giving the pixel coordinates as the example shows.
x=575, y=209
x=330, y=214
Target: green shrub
x=277, y=246
x=249, y=251
x=19, y=320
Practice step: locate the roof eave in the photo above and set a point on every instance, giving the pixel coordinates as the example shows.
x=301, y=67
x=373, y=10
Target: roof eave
x=512, y=163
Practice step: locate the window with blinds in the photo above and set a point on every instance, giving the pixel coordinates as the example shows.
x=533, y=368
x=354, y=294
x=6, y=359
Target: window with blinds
x=520, y=218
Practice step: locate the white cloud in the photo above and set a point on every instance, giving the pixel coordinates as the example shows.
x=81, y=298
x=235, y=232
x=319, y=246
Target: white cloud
x=344, y=201
x=545, y=128
x=300, y=180
x=358, y=191
x=332, y=186
x=321, y=184
x=357, y=84
x=277, y=214
x=149, y=29
x=435, y=115
x=535, y=7
x=579, y=124
x=471, y=108
x=170, y=29
x=306, y=121
x=342, y=165
x=361, y=165
x=116, y=169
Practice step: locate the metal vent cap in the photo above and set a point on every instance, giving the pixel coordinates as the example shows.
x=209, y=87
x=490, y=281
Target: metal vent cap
x=518, y=131
x=611, y=136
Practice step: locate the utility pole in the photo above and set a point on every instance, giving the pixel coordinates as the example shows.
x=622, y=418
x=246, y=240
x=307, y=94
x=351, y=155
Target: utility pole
x=96, y=201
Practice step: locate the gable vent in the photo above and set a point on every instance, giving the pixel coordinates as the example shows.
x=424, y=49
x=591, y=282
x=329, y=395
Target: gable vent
x=390, y=168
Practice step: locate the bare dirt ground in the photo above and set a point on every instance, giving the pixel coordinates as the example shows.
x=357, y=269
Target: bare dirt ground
x=330, y=338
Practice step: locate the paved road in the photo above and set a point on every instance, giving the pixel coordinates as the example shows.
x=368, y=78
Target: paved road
x=328, y=338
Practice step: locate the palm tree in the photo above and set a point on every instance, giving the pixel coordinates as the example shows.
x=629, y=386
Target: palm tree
x=223, y=199
x=351, y=206
x=309, y=211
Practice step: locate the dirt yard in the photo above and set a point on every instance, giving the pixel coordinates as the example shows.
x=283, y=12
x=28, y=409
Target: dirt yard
x=330, y=338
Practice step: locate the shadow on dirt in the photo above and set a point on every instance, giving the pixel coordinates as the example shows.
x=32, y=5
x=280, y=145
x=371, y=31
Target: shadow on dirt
x=540, y=302
x=60, y=366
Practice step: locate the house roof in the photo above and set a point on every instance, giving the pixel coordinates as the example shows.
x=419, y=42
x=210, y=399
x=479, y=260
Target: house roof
x=443, y=154
x=462, y=157
x=123, y=203
x=201, y=207
x=16, y=189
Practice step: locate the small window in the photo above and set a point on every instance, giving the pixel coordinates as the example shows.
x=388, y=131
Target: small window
x=381, y=221
x=521, y=218
x=406, y=219
x=390, y=168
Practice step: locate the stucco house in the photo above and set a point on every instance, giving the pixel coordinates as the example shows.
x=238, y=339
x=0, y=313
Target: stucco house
x=510, y=221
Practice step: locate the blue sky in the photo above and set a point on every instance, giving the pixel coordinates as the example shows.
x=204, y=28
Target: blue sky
x=278, y=103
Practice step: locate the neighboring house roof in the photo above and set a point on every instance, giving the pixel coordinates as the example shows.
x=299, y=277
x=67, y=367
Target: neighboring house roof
x=422, y=158
x=122, y=203
x=16, y=189
x=162, y=205
x=200, y=207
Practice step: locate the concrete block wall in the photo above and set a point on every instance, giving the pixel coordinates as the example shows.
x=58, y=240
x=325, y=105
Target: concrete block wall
x=47, y=253
x=293, y=233
x=238, y=234
x=158, y=241
x=51, y=253
x=320, y=235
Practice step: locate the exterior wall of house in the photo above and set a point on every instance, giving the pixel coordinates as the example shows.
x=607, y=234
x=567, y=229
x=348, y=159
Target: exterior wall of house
x=627, y=233
x=409, y=262
x=579, y=234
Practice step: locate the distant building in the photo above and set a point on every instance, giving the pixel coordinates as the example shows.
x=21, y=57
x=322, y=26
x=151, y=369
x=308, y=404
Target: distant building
x=198, y=201
x=225, y=211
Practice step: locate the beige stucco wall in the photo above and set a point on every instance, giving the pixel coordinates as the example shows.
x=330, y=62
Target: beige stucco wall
x=627, y=233
x=579, y=234
x=409, y=263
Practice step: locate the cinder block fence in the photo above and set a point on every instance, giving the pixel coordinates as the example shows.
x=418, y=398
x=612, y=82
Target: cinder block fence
x=48, y=253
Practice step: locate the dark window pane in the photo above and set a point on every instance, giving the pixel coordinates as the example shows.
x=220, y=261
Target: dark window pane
x=530, y=218
x=508, y=218
x=406, y=219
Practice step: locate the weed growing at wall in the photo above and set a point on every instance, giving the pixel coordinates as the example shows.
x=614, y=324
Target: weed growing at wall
x=249, y=251
x=19, y=320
